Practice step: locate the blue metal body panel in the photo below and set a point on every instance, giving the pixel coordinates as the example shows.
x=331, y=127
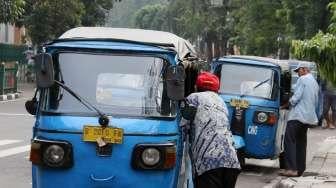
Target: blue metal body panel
x=258, y=140
x=243, y=61
x=115, y=170
x=238, y=141
x=102, y=45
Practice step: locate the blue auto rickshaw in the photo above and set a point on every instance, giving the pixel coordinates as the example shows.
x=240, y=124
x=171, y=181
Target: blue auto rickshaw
x=106, y=110
x=251, y=88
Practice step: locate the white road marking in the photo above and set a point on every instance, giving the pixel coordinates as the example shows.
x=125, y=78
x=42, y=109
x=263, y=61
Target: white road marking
x=13, y=151
x=12, y=114
x=5, y=142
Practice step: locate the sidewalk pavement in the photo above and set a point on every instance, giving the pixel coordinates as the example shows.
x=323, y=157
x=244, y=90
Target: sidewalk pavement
x=320, y=172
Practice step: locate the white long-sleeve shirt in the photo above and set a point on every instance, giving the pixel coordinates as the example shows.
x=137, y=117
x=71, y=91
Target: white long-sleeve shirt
x=304, y=102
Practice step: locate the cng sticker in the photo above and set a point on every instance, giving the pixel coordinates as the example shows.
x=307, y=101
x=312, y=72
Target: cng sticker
x=253, y=130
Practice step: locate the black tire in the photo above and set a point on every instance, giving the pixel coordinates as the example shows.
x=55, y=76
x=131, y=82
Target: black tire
x=282, y=161
x=241, y=157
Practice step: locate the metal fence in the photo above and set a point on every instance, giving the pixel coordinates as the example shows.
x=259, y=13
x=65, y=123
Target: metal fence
x=12, y=58
x=8, y=77
x=9, y=52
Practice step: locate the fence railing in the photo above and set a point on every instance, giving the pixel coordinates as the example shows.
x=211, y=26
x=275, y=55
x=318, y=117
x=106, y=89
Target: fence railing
x=14, y=67
x=8, y=77
x=10, y=52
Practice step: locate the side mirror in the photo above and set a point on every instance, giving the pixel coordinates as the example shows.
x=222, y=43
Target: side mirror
x=44, y=70
x=175, y=77
x=31, y=106
x=188, y=112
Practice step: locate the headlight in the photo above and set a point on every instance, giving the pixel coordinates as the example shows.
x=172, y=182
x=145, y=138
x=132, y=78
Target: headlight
x=154, y=156
x=150, y=156
x=51, y=153
x=262, y=117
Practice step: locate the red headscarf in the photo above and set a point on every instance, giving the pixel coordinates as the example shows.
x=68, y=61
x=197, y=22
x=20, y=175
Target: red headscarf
x=207, y=81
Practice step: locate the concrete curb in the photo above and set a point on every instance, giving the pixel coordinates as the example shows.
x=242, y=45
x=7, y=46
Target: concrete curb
x=309, y=181
x=10, y=96
x=320, y=172
x=274, y=183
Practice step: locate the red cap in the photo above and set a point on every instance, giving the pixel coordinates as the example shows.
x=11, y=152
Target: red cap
x=207, y=81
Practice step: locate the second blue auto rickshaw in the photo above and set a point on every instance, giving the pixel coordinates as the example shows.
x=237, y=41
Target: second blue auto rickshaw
x=254, y=88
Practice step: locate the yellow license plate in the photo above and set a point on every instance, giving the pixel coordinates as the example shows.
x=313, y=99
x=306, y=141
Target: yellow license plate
x=241, y=103
x=107, y=134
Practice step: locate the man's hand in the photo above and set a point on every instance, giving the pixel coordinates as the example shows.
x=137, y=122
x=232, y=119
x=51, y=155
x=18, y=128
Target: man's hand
x=285, y=106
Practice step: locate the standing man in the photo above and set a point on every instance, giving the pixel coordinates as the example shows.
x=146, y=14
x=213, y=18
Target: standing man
x=214, y=158
x=329, y=104
x=302, y=114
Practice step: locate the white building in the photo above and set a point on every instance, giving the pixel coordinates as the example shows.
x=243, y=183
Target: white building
x=10, y=34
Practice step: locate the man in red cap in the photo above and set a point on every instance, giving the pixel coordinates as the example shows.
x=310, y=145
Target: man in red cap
x=214, y=159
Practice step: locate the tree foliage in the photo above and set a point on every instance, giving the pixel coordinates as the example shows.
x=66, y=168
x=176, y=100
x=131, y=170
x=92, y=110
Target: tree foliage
x=123, y=14
x=152, y=17
x=332, y=26
x=50, y=18
x=11, y=10
x=260, y=30
x=321, y=49
x=257, y=27
x=95, y=12
x=304, y=18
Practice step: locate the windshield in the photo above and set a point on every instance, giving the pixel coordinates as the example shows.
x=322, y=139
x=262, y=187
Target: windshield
x=246, y=80
x=116, y=84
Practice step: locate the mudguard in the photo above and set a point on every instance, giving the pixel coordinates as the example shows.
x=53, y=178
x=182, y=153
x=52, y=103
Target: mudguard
x=238, y=141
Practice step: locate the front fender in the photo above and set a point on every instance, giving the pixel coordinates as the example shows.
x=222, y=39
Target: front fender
x=238, y=141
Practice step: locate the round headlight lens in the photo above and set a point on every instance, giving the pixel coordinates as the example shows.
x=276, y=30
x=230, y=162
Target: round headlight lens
x=53, y=155
x=262, y=117
x=150, y=156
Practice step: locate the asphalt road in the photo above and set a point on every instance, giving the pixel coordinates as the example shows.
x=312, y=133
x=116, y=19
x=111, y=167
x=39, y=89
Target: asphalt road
x=16, y=130
x=15, y=133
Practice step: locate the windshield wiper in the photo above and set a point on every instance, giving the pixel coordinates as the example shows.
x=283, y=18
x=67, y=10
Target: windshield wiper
x=103, y=119
x=258, y=85
x=261, y=83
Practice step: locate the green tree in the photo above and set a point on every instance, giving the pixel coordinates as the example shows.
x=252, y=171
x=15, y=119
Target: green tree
x=152, y=17
x=50, y=18
x=11, y=10
x=202, y=23
x=320, y=49
x=123, y=14
x=259, y=30
x=332, y=26
x=95, y=12
x=304, y=18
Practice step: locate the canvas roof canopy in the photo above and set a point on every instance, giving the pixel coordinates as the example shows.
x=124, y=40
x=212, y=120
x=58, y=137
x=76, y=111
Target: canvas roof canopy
x=160, y=38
